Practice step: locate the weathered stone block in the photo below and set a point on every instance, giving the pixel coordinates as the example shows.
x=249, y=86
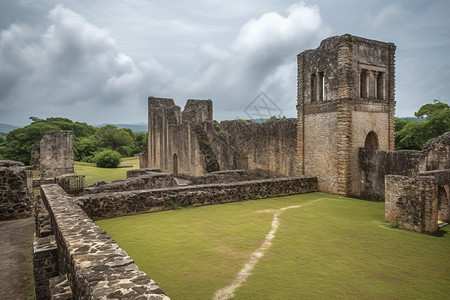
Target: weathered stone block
x=412, y=202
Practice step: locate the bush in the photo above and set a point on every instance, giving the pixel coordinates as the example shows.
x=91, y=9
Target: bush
x=107, y=159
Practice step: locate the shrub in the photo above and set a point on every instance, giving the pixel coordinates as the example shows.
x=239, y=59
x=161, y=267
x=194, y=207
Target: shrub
x=107, y=159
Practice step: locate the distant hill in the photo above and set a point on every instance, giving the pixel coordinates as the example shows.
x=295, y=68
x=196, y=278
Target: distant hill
x=413, y=119
x=137, y=127
x=7, y=128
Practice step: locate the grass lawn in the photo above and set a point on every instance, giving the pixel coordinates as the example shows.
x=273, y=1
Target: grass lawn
x=334, y=247
x=94, y=174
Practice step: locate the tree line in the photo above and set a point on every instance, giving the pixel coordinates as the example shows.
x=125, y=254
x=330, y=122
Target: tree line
x=108, y=143
x=88, y=141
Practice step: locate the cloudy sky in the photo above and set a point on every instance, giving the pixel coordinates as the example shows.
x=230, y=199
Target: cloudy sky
x=98, y=61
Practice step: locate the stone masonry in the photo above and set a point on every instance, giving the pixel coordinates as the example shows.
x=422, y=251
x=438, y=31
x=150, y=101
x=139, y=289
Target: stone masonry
x=80, y=261
x=56, y=154
x=15, y=190
x=412, y=202
x=346, y=100
x=190, y=143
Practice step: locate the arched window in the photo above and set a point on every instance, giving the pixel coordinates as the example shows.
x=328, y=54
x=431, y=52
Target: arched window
x=175, y=164
x=371, y=141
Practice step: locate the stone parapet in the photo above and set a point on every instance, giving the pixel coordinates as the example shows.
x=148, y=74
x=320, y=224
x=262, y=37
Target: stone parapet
x=96, y=267
x=45, y=265
x=108, y=205
x=151, y=180
x=221, y=177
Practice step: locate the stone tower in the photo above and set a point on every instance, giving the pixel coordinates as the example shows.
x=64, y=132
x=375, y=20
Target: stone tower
x=346, y=100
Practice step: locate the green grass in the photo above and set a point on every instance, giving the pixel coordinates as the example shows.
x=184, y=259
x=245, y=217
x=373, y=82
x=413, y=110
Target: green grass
x=334, y=248
x=94, y=174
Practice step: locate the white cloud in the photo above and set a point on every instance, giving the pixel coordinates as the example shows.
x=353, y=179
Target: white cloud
x=262, y=57
x=72, y=64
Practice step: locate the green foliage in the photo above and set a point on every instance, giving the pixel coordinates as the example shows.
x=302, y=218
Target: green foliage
x=87, y=140
x=107, y=159
x=273, y=118
x=412, y=135
x=242, y=121
x=17, y=144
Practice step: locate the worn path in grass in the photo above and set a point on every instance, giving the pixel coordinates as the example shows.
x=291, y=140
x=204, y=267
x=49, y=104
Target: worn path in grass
x=228, y=291
x=16, y=273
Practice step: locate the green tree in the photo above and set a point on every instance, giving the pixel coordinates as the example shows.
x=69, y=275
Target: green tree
x=110, y=136
x=107, y=159
x=17, y=143
x=413, y=135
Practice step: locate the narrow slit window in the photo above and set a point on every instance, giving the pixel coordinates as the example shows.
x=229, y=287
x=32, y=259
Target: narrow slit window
x=313, y=87
x=380, y=86
x=363, y=84
x=321, y=86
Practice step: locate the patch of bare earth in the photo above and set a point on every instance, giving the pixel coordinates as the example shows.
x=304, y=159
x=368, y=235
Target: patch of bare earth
x=16, y=259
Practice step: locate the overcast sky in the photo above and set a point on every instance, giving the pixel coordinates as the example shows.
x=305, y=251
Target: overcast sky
x=98, y=61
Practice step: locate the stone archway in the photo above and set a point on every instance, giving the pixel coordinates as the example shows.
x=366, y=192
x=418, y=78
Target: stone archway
x=371, y=141
x=175, y=164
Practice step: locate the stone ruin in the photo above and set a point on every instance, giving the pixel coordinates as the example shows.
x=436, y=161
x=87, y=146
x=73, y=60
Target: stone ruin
x=343, y=134
x=15, y=190
x=56, y=154
x=54, y=158
x=341, y=143
x=190, y=143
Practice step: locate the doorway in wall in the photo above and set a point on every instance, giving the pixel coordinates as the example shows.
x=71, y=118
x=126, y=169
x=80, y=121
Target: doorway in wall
x=371, y=141
x=175, y=164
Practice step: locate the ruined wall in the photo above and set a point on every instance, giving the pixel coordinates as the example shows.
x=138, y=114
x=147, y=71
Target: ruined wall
x=267, y=149
x=101, y=206
x=190, y=143
x=412, y=202
x=436, y=153
x=442, y=178
x=221, y=177
x=94, y=265
x=346, y=90
x=374, y=165
x=56, y=154
x=149, y=180
x=177, y=141
x=15, y=190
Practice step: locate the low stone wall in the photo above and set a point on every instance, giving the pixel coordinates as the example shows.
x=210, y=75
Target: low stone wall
x=412, y=202
x=15, y=190
x=139, y=172
x=221, y=177
x=101, y=206
x=150, y=180
x=96, y=267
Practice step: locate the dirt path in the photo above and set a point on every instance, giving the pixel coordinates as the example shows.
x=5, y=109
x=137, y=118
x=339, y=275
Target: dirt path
x=16, y=259
x=228, y=292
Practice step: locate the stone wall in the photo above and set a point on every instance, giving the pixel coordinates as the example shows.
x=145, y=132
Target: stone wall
x=101, y=206
x=267, y=149
x=94, y=265
x=374, y=165
x=221, y=177
x=443, y=185
x=412, y=202
x=15, y=190
x=56, y=154
x=149, y=180
x=190, y=143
